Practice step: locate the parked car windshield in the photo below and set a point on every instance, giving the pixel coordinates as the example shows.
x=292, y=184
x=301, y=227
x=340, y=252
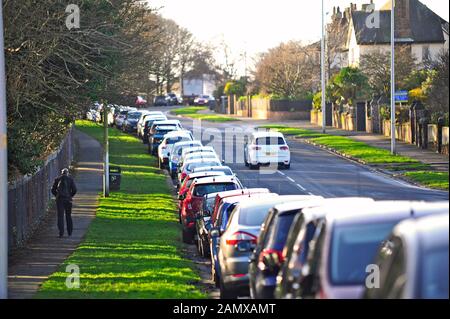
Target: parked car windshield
x=134, y=116
x=434, y=274
x=177, y=139
x=192, y=166
x=254, y=216
x=270, y=141
x=204, y=189
x=354, y=247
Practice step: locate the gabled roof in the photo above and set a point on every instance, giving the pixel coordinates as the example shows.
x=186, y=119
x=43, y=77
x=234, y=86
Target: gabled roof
x=425, y=26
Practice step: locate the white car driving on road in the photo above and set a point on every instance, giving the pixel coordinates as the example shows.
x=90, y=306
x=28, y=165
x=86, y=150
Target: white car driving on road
x=266, y=148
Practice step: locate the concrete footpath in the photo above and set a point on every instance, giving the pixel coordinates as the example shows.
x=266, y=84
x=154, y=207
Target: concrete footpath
x=31, y=266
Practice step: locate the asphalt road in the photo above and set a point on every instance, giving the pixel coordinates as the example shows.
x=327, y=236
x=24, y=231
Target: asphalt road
x=313, y=170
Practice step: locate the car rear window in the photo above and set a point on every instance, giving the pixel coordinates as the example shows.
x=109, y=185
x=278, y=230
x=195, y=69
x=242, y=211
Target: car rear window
x=163, y=132
x=270, y=141
x=205, y=189
x=174, y=140
x=354, y=247
x=279, y=230
x=254, y=216
x=192, y=166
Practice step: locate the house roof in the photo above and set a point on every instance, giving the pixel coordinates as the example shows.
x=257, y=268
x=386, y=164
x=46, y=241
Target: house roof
x=425, y=26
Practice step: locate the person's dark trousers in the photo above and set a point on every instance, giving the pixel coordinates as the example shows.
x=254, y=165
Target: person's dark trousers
x=64, y=207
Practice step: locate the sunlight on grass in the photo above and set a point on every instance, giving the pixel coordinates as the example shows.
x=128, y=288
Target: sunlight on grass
x=132, y=248
x=192, y=112
x=430, y=179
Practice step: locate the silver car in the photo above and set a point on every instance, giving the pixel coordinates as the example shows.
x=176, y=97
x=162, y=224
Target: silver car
x=347, y=242
x=413, y=263
x=239, y=240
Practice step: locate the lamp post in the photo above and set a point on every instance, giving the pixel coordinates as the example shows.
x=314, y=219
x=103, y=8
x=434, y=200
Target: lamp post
x=3, y=171
x=322, y=63
x=393, y=141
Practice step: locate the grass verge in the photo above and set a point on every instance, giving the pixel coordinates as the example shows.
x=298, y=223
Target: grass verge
x=132, y=248
x=412, y=169
x=192, y=112
x=436, y=180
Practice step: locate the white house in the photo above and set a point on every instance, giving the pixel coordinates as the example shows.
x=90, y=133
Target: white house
x=417, y=26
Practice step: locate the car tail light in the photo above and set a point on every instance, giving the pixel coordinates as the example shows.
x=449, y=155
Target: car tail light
x=183, y=175
x=284, y=148
x=239, y=237
x=238, y=275
x=271, y=259
x=191, y=224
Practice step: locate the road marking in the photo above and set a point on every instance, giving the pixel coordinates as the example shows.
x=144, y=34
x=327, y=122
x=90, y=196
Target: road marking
x=281, y=173
x=290, y=179
x=310, y=193
x=301, y=187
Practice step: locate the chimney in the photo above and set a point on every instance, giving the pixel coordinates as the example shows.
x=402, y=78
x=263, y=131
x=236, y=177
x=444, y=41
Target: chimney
x=403, y=19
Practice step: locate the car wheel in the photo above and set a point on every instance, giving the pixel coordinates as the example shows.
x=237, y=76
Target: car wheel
x=226, y=293
x=187, y=236
x=287, y=166
x=206, y=252
x=253, y=167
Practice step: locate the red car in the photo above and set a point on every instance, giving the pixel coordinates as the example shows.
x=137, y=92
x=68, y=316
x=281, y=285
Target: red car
x=188, y=182
x=192, y=199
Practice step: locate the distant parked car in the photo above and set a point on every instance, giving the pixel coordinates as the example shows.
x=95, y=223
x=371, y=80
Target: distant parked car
x=130, y=123
x=147, y=115
x=175, y=155
x=148, y=122
x=158, y=136
x=346, y=243
x=188, y=167
x=161, y=100
x=192, y=200
x=265, y=148
x=413, y=262
x=166, y=146
x=202, y=100
x=174, y=124
x=173, y=99
x=238, y=242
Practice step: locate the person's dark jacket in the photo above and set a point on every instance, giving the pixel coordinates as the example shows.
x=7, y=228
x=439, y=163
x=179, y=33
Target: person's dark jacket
x=64, y=188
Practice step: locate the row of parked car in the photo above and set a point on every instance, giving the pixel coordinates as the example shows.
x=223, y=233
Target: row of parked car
x=265, y=245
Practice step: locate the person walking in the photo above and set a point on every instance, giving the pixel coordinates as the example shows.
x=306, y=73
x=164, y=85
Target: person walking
x=64, y=189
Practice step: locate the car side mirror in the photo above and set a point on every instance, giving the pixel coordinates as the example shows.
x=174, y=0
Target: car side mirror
x=182, y=197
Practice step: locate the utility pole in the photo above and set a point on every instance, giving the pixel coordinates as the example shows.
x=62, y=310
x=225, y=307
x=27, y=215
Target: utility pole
x=105, y=151
x=393, y=141
x=323, y=74
x=3, y=170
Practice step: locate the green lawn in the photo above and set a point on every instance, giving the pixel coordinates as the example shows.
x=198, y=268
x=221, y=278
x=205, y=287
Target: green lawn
x=192, y=112
x=371, y=155
x=431, y=179
x=132, y=248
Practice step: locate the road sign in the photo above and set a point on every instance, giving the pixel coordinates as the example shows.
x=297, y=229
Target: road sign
x=401, y=96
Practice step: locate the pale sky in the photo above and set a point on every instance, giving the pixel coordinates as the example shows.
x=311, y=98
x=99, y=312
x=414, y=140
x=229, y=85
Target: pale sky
x=257, y=25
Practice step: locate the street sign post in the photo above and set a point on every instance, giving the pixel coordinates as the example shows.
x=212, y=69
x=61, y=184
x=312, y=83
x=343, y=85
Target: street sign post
x=401, y=97
x=393, y=141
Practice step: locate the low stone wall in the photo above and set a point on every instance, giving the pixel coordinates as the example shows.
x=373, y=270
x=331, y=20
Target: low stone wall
x=266, y=109
x=402, y=131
